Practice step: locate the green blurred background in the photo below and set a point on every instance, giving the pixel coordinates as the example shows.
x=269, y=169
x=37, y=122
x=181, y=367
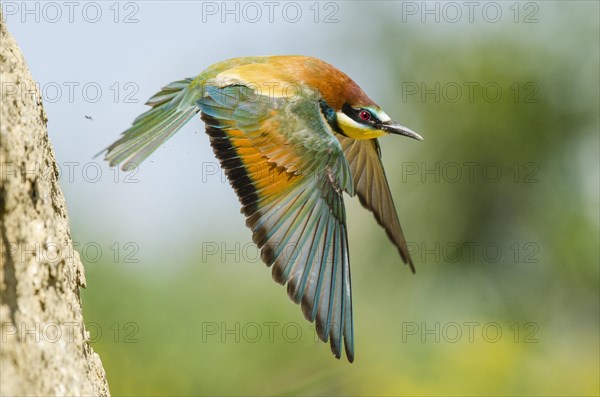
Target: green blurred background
x=500, y=204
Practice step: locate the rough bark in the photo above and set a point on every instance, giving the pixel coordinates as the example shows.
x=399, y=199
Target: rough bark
x=45, y=347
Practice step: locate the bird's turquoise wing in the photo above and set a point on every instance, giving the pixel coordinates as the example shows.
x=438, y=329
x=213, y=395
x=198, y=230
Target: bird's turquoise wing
x=289, y=172
x=172, y=107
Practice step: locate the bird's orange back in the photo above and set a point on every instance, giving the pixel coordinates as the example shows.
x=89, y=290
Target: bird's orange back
x=283, y=75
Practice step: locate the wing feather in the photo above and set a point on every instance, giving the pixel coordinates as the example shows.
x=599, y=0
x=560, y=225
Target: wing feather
x=289, y=174
x=372, y=188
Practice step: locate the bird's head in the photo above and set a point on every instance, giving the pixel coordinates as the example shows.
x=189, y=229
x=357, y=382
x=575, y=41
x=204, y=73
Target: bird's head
x=346, y=106
x=348, y=110
x=368, y=122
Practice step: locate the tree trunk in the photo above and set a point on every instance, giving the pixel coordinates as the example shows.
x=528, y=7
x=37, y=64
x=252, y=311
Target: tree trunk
x=45, y=347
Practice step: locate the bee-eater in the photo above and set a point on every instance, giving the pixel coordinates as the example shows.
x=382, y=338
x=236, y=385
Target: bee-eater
x=292, y=134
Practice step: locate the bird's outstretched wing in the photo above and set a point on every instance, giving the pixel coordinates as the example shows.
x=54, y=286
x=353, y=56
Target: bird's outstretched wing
x=172, y=107
x=289, y=172
x=371, y=186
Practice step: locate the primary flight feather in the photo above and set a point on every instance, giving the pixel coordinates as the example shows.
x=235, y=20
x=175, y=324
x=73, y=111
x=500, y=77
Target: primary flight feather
x=292, y=134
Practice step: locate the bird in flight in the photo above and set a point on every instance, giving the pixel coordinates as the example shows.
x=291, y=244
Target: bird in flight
x=292, y=133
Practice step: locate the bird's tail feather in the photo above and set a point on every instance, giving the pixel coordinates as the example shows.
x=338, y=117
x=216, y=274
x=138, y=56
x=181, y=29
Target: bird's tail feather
x=172, y=107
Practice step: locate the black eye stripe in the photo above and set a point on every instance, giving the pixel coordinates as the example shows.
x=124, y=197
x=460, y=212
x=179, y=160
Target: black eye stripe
x=354, y=114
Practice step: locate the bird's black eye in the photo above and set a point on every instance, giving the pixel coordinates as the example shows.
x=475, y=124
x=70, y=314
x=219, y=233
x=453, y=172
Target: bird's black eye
x=364, y=115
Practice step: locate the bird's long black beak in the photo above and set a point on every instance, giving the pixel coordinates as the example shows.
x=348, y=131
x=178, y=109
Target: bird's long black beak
x=395, y=128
